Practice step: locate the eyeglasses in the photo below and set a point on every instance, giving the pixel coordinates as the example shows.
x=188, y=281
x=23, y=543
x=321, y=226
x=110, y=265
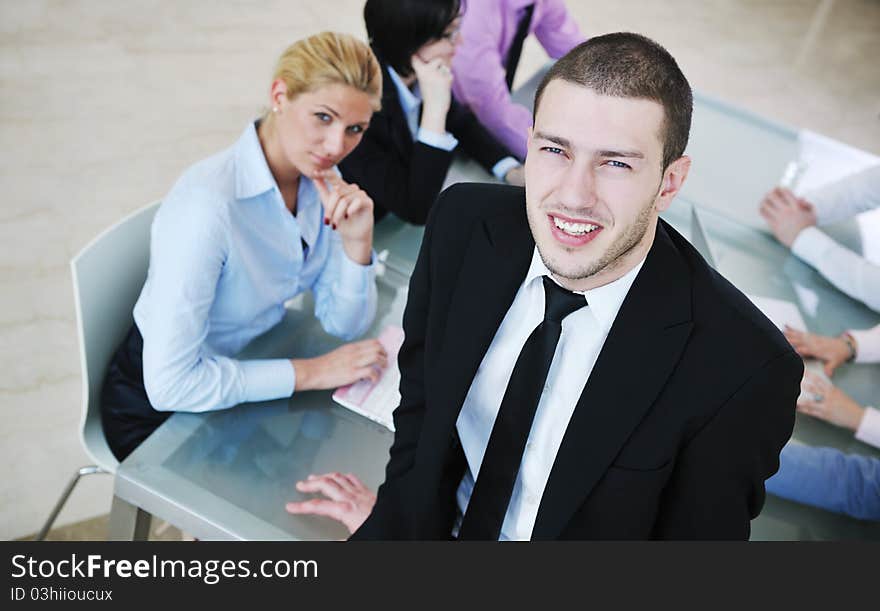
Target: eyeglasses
x=453, y=34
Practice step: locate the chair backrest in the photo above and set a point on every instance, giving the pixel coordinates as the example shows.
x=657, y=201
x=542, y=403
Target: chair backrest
x=108, y=275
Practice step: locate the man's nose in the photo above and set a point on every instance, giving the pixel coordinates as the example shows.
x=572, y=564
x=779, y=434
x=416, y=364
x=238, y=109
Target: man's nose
x=577, y=188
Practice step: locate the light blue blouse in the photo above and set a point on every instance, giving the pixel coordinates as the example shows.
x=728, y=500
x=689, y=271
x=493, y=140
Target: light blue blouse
x=225, y=254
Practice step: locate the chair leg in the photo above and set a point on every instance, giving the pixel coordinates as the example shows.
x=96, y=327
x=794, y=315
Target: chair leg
x=90, y=470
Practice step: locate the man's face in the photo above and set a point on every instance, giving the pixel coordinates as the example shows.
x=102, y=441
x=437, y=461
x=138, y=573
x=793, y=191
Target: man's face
x=594, y=182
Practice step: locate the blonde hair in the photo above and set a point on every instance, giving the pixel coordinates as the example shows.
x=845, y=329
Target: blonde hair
x=330, y=58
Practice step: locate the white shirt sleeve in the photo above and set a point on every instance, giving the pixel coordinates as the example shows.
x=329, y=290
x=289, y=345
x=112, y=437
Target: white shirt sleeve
x=345, y=293
x=500, y=169
x=867, y=344
x=847, y=197
x=848, y=271
x=445, y=141
x=869, y=429
x=187, y=254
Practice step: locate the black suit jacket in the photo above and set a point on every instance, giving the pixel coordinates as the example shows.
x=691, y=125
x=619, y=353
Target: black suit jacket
x=405, y=177
x=682, y=419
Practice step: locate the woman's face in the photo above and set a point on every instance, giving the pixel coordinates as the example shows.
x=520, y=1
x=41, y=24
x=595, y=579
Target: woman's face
x=317, y=129
x=443, y=47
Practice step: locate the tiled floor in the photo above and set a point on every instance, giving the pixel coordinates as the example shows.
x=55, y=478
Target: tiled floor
x=95, y=529
x=102, y=104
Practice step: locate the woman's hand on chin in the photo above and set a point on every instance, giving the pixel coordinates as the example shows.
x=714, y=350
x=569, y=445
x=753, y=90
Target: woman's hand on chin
x=349, y=210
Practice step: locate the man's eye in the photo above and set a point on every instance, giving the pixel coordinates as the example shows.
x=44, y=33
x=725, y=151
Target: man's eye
x=553, y=149
x=617, y=164
x=356, y=129
x=323, y=117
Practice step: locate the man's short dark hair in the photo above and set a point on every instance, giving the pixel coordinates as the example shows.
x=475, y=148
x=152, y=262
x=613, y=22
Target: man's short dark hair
x=397, y=28
x=628, y=65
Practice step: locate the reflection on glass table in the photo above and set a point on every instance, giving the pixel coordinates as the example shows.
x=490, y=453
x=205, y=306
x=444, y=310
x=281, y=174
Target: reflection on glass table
x=227, y=474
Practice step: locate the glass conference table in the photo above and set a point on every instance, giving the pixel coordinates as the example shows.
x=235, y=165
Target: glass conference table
x=228, y=474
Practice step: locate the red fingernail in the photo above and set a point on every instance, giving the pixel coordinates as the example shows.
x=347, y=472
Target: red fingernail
x=326, y=221
x=345, y=215
x=334, y=226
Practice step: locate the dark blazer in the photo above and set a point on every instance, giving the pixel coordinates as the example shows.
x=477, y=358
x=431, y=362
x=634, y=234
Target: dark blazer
x=681, y=421
x=405, y=177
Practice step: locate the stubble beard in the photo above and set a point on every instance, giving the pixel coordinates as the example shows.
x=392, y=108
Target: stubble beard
x=612, y=257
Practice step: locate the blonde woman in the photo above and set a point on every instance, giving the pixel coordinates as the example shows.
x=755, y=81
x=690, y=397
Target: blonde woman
x=242, y=232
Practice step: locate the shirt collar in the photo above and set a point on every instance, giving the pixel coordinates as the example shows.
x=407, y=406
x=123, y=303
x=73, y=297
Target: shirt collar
x=252, y=174
x=253, y=177
x=604, y=301
x=409, y=99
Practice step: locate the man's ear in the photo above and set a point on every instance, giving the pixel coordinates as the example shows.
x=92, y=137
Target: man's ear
x=673, y=180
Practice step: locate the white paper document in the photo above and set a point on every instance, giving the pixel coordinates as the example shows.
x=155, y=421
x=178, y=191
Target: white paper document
x=377, y=401
x=782, y=313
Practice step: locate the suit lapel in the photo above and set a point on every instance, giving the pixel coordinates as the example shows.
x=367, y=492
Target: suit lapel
x=641, y=351
x=496, y=261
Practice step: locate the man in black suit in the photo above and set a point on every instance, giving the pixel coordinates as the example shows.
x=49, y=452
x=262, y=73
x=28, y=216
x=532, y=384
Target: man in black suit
x=572, y=368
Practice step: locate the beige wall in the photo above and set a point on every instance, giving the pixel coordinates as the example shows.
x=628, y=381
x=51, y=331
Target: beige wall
x=102, y=104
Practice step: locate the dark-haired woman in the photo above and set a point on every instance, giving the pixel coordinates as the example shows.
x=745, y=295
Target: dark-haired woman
x=406, y=153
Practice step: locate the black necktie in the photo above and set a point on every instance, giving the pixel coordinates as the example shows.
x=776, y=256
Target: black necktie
x=522, y=30
x=491, y=494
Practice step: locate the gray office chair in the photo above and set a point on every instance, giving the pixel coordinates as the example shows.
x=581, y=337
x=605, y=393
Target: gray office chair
x=108, y=275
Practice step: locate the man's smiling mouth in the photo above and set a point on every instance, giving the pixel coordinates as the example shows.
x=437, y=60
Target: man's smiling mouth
x=573, y=228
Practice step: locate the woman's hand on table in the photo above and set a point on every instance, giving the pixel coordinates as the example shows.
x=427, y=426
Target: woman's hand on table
x=832, y=351
x=824, y=400
x=787, y=214
x=348, y=363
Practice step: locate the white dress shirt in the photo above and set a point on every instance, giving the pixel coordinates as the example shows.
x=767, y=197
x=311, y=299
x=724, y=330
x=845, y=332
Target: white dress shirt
x=845, y=269
x=867, y=344
x=583, y=335
x=869, y=429
x=868, y=351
